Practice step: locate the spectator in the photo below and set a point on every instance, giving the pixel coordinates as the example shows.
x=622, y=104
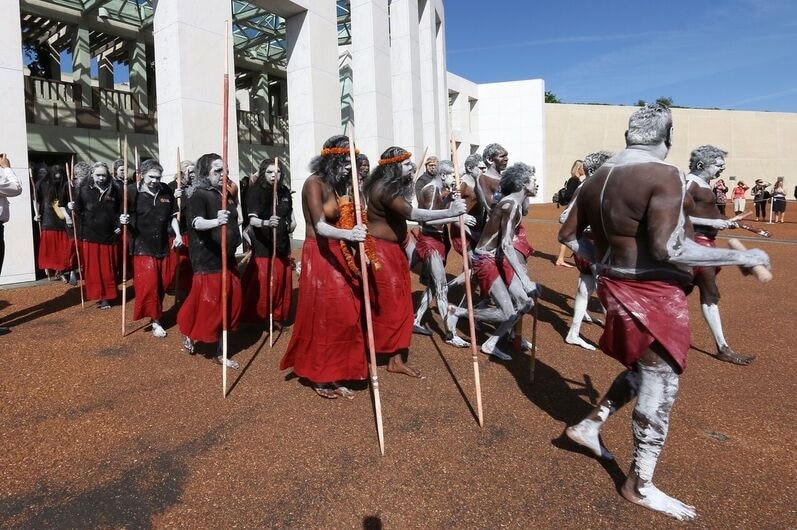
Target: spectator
x=779, y=200
x=721, y=194
x=760, y=198
x=9, y=187
x=738, y=197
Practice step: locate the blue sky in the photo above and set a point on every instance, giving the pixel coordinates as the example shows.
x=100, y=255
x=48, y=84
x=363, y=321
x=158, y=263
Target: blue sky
x=735, y=54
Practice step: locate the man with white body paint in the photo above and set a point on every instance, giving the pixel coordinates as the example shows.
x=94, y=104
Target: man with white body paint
x=432, y=248
x=586, y=281
x=706, y=163
x=498, y=267
x=496, y=159
x=635, y=207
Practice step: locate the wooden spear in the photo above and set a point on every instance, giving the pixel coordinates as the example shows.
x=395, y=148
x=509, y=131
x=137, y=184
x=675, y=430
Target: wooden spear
x=421, y=166
x=178, y=178
x=224, y=178
x=69, y=173
x=124, y=241
x=35, y=201
x=468, y=293
x=366, y=298
x=273, y=257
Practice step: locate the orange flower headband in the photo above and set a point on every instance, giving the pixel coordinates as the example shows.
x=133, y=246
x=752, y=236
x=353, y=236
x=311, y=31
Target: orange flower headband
x=395, y=160
x=337, y=151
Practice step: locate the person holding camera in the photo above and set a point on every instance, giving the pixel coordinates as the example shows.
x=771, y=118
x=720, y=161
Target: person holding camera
x=9, y=187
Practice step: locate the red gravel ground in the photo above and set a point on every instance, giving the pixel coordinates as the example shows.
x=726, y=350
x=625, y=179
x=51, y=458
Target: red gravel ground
x=100, y=431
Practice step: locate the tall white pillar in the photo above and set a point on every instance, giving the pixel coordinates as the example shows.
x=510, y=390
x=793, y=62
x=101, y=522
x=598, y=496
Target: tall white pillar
x=81, y=64
x=430, y=82
x=443, y=118
x=405, y=61
x=189, y=73
x=313, y=88
x=19, y=264
x=370, y=49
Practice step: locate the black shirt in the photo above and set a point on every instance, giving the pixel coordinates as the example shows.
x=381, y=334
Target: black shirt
x=63, y=199
x=47, y=195
x=150, y=217
x=205, y=247
x=259, y=202
x=98, y=212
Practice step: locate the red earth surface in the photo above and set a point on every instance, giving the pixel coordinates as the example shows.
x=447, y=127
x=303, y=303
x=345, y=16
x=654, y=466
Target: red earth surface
x=101, y=431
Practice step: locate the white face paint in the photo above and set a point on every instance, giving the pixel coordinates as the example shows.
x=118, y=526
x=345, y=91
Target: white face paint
x=190, y=172
x=216, y=169
x=271, y=173
x=100, y=176
x=716, y=168
x=120, y=172
x=407, y=168
x=449, y=181
x=152, y=179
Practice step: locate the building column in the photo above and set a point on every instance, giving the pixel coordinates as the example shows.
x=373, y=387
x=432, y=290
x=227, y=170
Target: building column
x=189, y=72
x=261, y=99
x=442, y=85
x=405, y=61
x=81, y=64
x=19, y=264
x=105, y=73
x=313, y=88
x=430, y=82
x=373, y=100
x=138, y=75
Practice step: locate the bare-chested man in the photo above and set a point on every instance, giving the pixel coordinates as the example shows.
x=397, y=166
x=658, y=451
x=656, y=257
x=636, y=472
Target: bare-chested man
x=635, y=207
x=495, y=158
x=433, y=245
x=586, y=281
x=387, y=191
x=706, y=163
x=501, y=272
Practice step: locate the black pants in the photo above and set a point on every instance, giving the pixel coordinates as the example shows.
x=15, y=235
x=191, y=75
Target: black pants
x=2, y=245
x=761, y=209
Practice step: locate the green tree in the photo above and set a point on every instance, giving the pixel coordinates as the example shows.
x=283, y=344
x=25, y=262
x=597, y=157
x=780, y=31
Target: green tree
x=665, y=101
x=550, y=97
x=641, y=103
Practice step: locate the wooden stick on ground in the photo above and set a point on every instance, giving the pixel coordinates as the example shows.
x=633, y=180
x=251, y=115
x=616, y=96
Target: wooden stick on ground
x=468, y=294
x=224, y=179
x=761, y=273
x=366, y=298
x=179, y=180
x=273, y=257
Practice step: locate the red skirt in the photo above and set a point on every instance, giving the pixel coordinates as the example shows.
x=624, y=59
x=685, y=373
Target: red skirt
x=705, y=241
x=199, y=317
x=521, y=242
x=54, y=250
x=425, y=245
x=327, y=341
x=151, y=276
x=641, y=312
x=456, y=240
x=391, y=295
x=488, y=269
x=100, y=262
x=182, y=261
x=255, y=284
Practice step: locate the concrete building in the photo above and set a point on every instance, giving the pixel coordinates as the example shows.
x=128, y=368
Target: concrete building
x=78, y=76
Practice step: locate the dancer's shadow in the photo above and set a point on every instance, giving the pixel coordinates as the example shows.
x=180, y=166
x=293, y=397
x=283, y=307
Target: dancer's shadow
x=67, y=299
x=455, y=380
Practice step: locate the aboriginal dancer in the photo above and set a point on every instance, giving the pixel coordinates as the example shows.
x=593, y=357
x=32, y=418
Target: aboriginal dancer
x=152, y=210
x=327, y=346
x=387, y=191
x=56, y=251
x=200, y=317
x=634, y=205
x=706, y=163
x=264, y=222
x=181, y=260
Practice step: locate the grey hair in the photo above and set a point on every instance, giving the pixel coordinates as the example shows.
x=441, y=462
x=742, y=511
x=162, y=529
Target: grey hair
x=593, y=161
x=649, y=125
x=491, y=150
x=705, y=155
x=149, y=164
x=473, y=161
x=444, y=166
x=430, y=158
x=98, y=165
x=515, y=177
x=185, y=164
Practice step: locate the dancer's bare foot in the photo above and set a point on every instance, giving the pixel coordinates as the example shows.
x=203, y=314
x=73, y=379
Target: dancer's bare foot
x=343, y=391
x=396, y=365
x=490, y=348
x=654, y=499
x=587, y=434
x=157, y=330
x=578, y=341
x=456, y=341
x=325, y=391
x=563, y=263
x=728, y=355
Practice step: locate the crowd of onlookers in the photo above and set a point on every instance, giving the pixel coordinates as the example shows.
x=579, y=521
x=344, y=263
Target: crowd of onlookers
x=762, y=194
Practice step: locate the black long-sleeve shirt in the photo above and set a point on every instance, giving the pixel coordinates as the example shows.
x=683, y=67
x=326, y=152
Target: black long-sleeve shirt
x=205, y=246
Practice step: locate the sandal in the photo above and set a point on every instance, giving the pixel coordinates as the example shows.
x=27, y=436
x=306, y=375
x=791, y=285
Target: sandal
x=325, y=391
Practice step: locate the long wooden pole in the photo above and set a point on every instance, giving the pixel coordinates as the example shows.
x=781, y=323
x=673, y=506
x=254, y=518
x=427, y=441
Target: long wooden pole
x=468, y=294
x=224, y=178
x=421, y=166
x=69, y=173
x=35, y=200
x=366, y=298
x=124, y=243
x=178, y=179
x=273, y=257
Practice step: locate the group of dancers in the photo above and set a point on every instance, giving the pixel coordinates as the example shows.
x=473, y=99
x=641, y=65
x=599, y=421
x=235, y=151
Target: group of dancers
x=642, y=233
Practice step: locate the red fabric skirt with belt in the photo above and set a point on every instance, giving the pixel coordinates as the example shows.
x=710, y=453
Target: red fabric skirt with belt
x=100, y=262
x=391, y=295
x=256, y=295
x=199, y=317
x=151, y=277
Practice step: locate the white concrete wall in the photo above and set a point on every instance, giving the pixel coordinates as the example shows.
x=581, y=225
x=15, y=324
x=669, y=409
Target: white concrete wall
x=512, y=114
x=18, y=265
x=759, y=144
x=464, y=123
x=405, y=61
